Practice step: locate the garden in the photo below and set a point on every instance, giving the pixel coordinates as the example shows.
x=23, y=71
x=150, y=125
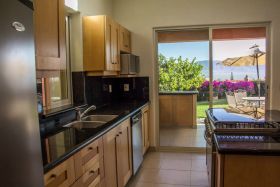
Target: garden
x=177, y=74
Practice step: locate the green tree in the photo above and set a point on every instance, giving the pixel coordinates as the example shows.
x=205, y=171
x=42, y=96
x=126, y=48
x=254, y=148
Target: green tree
x=176, y=74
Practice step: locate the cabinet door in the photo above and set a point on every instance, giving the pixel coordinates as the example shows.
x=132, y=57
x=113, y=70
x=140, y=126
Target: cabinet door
x=124, y=152
x=49, y=18
x=61, y=176
x=145, y=129
x=111, y=45
x=125, y=40
x=116, y=46
x=110, y=158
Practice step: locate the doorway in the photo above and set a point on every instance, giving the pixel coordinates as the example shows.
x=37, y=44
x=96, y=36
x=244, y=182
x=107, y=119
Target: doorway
x=205, y=49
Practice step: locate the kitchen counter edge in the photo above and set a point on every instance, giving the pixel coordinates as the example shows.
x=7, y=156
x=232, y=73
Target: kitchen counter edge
x=64, y=157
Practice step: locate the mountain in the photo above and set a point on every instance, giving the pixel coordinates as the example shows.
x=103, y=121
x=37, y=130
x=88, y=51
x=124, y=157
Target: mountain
x=221, y=72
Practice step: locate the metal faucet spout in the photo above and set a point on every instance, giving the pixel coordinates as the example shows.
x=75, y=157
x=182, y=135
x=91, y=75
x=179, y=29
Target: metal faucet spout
x=80, y=114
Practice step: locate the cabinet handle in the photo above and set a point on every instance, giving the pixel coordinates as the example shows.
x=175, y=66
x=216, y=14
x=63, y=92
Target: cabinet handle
x=118, y=135
x=91, y=172
x=120, y=132
x=53, y=176
x=90, y=148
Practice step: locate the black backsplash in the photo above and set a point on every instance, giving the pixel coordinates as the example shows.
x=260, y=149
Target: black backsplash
x=95, y=90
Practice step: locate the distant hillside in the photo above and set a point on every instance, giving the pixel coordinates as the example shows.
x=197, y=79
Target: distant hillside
x=222, y=72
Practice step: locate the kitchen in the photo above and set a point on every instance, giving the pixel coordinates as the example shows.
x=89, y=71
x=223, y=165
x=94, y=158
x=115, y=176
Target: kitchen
x=126, y=105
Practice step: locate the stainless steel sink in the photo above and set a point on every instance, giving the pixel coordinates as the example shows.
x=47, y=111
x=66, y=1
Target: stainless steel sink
x=99, y=118
x=85, y=124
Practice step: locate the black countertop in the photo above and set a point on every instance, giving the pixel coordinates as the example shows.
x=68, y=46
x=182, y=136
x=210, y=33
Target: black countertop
x=61, y=145
x=178, y=93
x=257, y=144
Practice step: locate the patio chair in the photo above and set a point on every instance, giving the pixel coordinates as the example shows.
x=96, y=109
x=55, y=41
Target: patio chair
x=238, y=95
x=238, y=108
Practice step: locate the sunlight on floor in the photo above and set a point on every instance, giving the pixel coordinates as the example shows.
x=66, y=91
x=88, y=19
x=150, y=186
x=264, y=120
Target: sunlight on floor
x=166, y=169
x=183, y=137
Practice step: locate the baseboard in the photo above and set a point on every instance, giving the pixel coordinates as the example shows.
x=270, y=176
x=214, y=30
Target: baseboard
x=182, y=149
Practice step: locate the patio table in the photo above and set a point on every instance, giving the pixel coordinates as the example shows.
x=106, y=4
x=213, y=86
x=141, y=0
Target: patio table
x=255, y=102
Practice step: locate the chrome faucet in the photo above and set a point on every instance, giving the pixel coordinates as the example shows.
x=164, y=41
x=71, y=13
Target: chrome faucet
x=80, y=114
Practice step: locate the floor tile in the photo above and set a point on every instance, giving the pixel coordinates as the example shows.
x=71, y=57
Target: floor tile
x=177, y=156
x=182, y=137
x=148, y=175
x=173, y=177
x=198, y=165
x=175, y=164
x=199, y=178
x=198, y=156
x=151, y=163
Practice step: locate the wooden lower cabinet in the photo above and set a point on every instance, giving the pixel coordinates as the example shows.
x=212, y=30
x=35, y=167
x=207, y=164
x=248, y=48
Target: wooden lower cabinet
x=106, y=162
x=117, y=155
x=145, y=129
x=89, y=168
x=63, y=175
x=247, y=171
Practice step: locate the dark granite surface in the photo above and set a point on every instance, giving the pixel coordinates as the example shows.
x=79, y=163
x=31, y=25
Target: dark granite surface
x=67, y=141
x=257, y=144
x=179, y=93
x=222, y=115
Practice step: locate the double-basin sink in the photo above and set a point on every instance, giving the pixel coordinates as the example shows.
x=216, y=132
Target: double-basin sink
x=91, y=121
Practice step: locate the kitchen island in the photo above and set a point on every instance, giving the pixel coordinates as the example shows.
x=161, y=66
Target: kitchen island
x=247, y=160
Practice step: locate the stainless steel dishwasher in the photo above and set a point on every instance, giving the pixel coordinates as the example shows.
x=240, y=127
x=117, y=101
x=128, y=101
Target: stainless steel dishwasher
x=136, y=122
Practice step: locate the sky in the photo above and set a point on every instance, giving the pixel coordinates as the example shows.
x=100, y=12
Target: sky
x=200, y=50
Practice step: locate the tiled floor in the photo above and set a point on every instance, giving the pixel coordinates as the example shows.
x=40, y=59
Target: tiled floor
x=165, y=169
x=182, y=137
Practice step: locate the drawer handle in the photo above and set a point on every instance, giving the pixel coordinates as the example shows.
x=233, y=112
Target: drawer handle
x=91, y=171
x=53, y=176
x=90, y=148
x=120, y=132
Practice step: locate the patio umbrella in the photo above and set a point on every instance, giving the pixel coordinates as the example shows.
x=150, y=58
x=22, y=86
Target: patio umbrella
x=256, y=59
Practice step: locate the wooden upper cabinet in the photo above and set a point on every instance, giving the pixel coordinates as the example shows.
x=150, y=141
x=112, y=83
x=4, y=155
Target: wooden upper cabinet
x=125, y=40
x=50, y=36
x=101, y=45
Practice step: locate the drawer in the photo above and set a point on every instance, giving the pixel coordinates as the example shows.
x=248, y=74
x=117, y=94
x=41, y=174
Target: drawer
x=62, y=175
x=87, y=156
x=90, y=178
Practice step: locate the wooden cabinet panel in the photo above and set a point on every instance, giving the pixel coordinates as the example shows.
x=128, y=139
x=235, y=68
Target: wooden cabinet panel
x=124, y=152
x=101, y=45
x=117, y=155
x=92, y=153
x=165, y=110
x=110, y=158
x=49, y=22
x=112, y=45
x=125, y=40
x=91, y=178
x=177, y=110
x=247, y=170
x=61, y=176
x=145, y=129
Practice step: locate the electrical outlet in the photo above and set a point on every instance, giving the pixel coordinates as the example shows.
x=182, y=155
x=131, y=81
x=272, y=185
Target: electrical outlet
x=110, y=88
x=126, y=87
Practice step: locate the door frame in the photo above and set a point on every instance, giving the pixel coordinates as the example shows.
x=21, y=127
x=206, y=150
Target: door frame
x=210, y=27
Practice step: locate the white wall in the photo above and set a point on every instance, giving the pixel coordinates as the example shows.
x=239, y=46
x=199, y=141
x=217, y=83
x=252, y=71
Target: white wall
x=86, y=8
x=140, y=16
